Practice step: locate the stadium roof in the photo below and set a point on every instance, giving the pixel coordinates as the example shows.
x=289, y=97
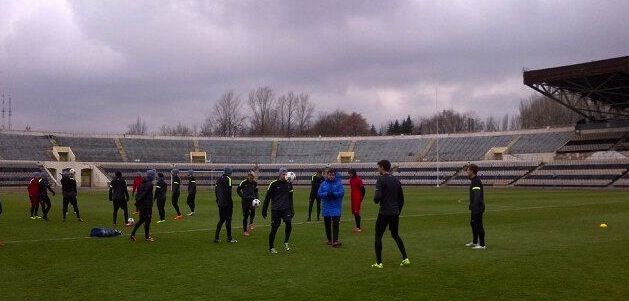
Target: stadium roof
x=597, y=90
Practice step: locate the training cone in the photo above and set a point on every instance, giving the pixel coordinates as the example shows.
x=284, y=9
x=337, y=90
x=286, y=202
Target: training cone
x=603, y=226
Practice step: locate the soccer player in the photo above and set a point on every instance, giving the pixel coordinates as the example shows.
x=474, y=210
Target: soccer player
x=137, y=181
x=160, y=196
x=119, y=196
x=44, y=200
x=68, y=189
x=248, y=191
x=223, y=193
x=192, y=191
x=331, y=194
x=280, y=194
x=33, y=195
x=477, y=207
x=176, y=185
x=358, y=194
x=390, y=196
x=315, y=183
x=144, y=202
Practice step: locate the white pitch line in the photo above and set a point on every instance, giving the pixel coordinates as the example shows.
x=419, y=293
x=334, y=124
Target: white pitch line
x=511, y=208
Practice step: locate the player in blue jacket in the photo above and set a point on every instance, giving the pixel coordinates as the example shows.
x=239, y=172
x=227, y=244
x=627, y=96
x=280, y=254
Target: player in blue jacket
x=331, y=193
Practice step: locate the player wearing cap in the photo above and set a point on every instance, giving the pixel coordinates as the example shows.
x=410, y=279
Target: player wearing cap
x=44, y=200
x=119, y=196
x=160, y=197
x=144, y=202
x=248, y=191
x=68, y=188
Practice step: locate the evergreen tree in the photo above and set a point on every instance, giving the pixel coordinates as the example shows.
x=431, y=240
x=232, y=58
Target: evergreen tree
x=397, y=129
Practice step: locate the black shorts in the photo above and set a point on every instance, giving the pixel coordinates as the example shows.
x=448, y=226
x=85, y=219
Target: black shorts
x=225, y=212
x=390, y=221
x=279, y=215
x=247, y=204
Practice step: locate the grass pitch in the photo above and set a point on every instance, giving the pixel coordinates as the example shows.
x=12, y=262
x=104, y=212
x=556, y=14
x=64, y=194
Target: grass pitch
x=542, y=245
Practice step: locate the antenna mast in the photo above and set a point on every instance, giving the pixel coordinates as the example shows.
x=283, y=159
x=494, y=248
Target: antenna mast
x=3, y=111
x=10, y=112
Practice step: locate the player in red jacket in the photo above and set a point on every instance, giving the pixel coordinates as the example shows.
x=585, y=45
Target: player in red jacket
x=33, y=195
x=358, y=194
x=137, y=181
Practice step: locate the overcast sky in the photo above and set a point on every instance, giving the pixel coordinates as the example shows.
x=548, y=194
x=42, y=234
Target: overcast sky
x=93, y=66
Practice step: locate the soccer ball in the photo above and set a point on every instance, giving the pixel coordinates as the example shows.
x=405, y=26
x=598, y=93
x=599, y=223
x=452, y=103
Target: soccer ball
x=255, y=203
x=291, y=176
x=130, y=220
x=72, y=172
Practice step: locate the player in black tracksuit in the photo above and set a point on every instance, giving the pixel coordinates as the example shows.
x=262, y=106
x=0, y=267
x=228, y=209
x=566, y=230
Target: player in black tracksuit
x=176, y=185
x=390, y=197
x=280, y=197
x=144, y=202
x=44, y=200
x=315, y=183
x=68, y=188
x=477, y=208
x=160, y=196
x=192, y=191
x=248, y=191
x=119, y=196
x=223, y=193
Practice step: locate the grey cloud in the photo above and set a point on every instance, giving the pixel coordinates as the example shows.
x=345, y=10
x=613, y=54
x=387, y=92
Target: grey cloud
x=109, y=61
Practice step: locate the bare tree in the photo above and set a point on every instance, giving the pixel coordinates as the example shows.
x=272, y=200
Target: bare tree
x=491, y=125
x=227, y=116
x=355, y=125
x=339, y=123
x=137, y=128
x=539, y=111
x=448, y=121
x=286, y=112
x=261, y=102
x=505, y=123
x=514, y=124
x=304, y=114
x=207, y=128
x=178, y=130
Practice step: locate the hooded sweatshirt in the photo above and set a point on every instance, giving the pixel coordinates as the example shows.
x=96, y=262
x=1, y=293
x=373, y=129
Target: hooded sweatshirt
x=331, y=193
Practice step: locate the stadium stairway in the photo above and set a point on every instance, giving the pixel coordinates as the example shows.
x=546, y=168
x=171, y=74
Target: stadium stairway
x=422, y=154
x=123, y=153
x=621, y=142
x=541, y=164
x=447, y=179
x=618, y=178
x=104, y=172
x=513, y=142
x=274, y=151
x=352, y=146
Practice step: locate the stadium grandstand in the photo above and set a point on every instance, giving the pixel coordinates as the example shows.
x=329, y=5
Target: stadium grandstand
x=595, y=153
x=517, y=158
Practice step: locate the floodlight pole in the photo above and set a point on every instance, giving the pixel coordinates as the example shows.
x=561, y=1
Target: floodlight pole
x=437, y=137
